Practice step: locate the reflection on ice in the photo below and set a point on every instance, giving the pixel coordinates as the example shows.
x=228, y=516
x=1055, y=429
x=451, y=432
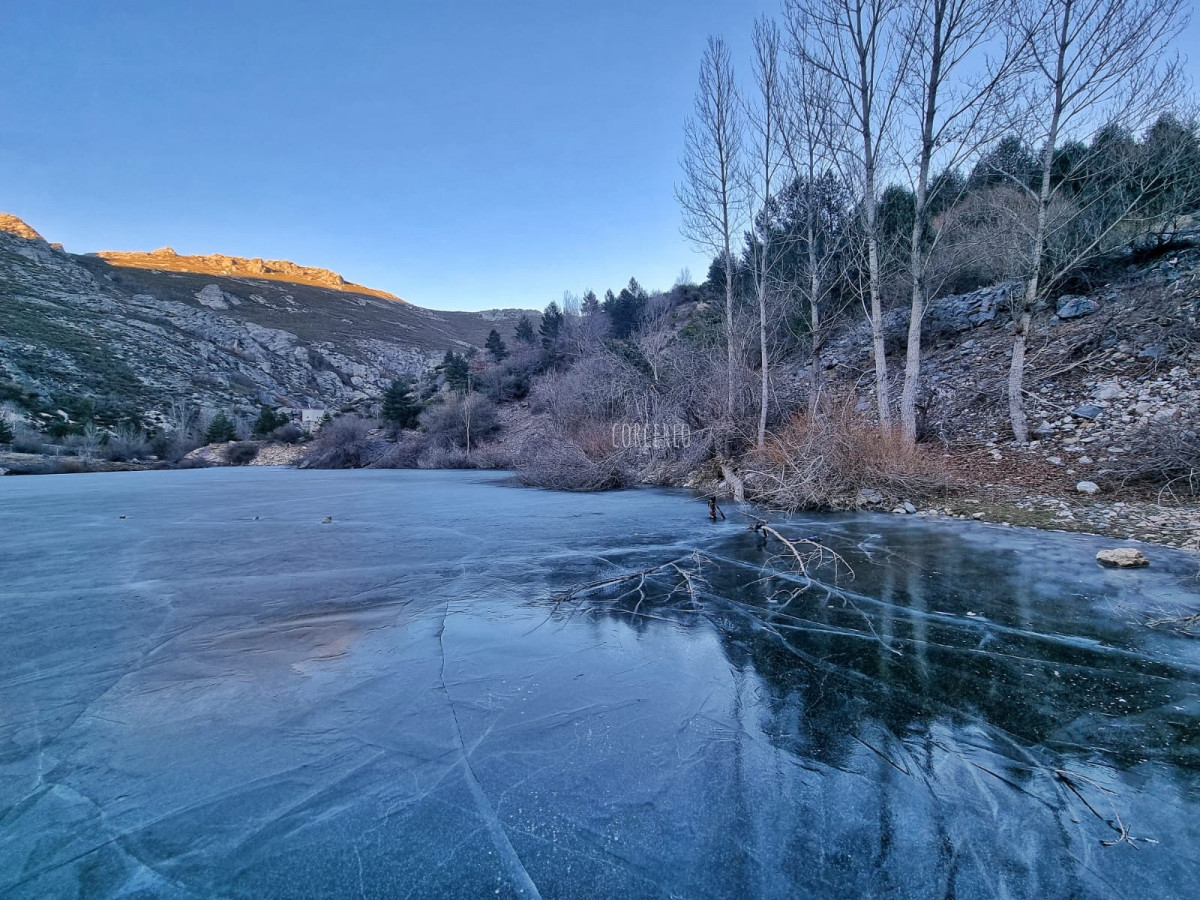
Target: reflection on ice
x=199, y=703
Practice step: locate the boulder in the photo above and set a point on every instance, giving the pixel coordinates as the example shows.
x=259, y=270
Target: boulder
x=1122, y=558
x=1072, y=307
x=868, y=497
x=1087, y=487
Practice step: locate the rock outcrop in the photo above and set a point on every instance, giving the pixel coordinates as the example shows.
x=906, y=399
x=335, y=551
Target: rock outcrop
x=10, y=224
x=166, y=259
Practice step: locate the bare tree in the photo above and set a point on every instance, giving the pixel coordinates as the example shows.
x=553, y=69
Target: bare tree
x=954, y=114
x=571, y=304
x=1092, y=62
x=765, y=115
x=656, y=332
x=713, y=193
x=812, y=136
x=859, y=46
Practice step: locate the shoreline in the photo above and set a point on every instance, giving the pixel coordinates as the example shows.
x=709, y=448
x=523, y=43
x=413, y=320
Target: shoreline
x=1122, y=517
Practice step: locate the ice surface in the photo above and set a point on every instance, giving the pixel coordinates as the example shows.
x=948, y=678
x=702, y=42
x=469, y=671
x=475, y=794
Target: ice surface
x=220, y=696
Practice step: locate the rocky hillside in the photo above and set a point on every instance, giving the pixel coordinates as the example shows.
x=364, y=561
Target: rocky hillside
x=1101, y=366
x=129, y=333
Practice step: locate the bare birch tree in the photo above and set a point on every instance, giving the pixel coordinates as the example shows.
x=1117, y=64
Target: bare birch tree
x=954, y=94
x=765, y=116
x=812, y=138
x=858, y=45
x=713, y=192
x=1092, y=62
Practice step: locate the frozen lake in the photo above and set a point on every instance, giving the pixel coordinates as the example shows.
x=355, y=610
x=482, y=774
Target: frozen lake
x=218, y=695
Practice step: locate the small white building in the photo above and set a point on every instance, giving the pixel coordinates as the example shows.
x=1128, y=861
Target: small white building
x=308, y=419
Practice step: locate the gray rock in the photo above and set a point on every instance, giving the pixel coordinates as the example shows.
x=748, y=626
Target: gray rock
x=212, y=296
x=1122, y=558
x=1087, y=411
x=868, y=497
x=1073, y=307
x=962, y=312
x=1087, y=487
x=1045, y=429
x=1109, y=391
x=908, y=507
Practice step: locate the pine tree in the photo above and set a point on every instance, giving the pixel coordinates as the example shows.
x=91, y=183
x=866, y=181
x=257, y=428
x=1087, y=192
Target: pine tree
x=552, y=320
x=525, y=331
x=590, y=305
x=6, y=432
x=400, y=407
x=625, y=309
x=495, y=345
x=221, y=430
x=268, y=421
x=456, y=370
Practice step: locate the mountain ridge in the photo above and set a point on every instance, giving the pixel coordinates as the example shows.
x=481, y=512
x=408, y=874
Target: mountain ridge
x=134, y=336
x=165, y=259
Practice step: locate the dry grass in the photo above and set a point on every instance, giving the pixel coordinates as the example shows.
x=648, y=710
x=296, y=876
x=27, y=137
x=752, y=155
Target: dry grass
x=836, y=458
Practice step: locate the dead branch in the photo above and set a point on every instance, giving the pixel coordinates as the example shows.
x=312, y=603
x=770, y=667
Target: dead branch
x=1073, y=780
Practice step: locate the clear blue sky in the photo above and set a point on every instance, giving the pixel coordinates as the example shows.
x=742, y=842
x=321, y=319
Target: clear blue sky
x=463, y=155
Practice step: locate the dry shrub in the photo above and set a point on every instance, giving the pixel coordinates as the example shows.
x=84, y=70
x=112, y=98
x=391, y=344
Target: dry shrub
x=241, y=453
x=1164, y=456
x=125, y=443
x=440, y=456
x=344, y=443
x=288, y=433
x=26, y=440
x=491, y=456
x=457, y=421
x=559, y=463
x=403, y=453
x=836, y=458
x=419, y=451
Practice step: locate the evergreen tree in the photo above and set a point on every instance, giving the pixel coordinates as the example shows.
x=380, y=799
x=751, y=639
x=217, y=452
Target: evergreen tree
x=590, y=305
x=221, y=430
x=625, y=309
x=6, y=432
x=268, y=421
x=400, y=407
x=495, y=345
x=552, y=320
x=456, y=369
x=525, y=331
